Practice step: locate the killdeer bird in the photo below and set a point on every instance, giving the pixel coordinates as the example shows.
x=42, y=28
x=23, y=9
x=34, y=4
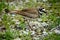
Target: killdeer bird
x=29, y=12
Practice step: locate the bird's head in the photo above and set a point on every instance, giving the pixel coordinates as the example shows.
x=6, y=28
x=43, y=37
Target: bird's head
x=41, y=11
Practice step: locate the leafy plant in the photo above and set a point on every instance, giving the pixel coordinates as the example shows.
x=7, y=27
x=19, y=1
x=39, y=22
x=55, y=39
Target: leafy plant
x=52, y=37
x=2, y=5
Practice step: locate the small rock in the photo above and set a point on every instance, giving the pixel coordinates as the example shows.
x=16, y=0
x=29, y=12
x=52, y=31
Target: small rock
x=17, y=39
x=35, y=24
x=44, y=24
x=44, y=0
x=33, y=32
x=35, y=38
x=25, y=32
x=56, y=30
x=39, y=19
x=26, y=1
x=45, y=33
x=13, y=15
x=17, y=22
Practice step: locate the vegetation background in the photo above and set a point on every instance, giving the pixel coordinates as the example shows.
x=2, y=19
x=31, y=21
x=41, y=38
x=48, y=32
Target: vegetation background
x=53, y=7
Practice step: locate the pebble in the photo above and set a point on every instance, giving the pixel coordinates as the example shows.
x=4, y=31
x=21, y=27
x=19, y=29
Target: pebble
x=32, y=32
x=35, y=38
x=35, y=24
x=25, y=32
x=45, y=33
x=39, y=19
x=57, y=31
x=17, y=39
x=17, y=22
x=44, y=24
x=13, y=15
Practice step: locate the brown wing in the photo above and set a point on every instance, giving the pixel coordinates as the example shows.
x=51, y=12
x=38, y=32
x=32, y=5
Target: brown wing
x=32, y=13
x=30, y=10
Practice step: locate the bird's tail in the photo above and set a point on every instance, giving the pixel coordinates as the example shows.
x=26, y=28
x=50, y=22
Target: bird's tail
x=7, y=10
